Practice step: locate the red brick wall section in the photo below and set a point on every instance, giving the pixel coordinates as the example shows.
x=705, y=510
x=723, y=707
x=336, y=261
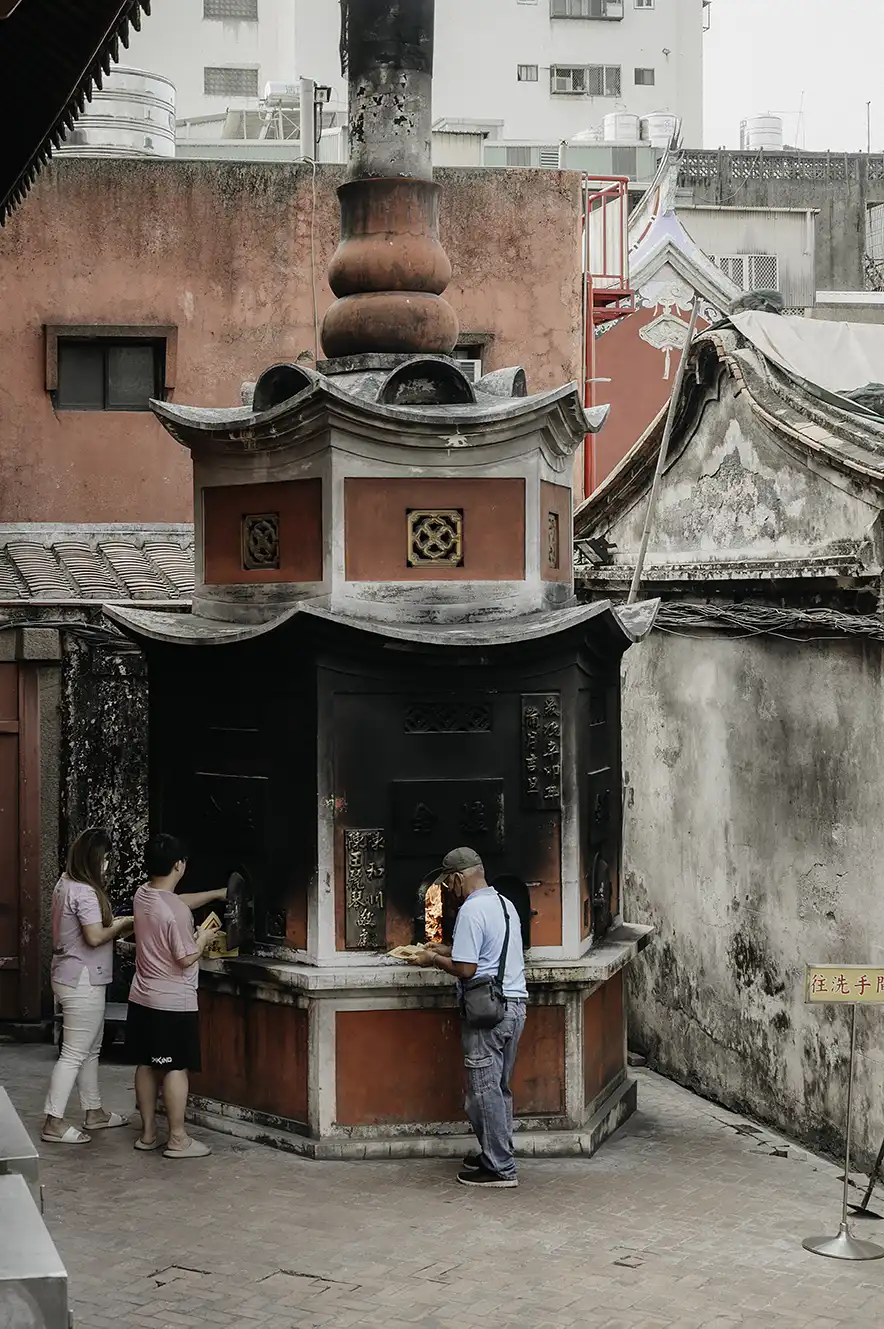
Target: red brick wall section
x=222, y=251
x=376, y=537
x=637, y=392
x=406, y=1066
x=604, y=1037
x=555, y=500
x=254, y=1054
x=297, y=504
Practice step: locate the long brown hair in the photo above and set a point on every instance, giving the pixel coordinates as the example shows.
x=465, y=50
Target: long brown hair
x=86, y=863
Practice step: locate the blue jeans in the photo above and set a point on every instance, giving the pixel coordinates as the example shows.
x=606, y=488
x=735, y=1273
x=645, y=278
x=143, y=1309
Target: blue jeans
x=489, y=1056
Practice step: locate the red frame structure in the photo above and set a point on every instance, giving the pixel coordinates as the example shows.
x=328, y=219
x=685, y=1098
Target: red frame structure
x=606, y=291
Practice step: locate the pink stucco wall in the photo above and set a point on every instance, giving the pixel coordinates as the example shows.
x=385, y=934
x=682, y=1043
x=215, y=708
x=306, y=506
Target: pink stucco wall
x=223, y=251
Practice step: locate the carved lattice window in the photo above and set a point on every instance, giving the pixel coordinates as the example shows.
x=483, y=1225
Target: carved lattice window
x=260, y=541
x=448, y=717
x=435, y=537
x=552, y=539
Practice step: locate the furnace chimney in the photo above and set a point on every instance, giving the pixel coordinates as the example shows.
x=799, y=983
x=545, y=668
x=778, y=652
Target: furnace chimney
x=390, y=269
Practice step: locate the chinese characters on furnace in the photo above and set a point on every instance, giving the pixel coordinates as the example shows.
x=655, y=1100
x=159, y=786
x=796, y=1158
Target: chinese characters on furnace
x=541, y=751
x=365, y=906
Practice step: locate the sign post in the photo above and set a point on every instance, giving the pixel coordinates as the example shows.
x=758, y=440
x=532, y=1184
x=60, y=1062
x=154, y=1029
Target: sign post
x=847, y=985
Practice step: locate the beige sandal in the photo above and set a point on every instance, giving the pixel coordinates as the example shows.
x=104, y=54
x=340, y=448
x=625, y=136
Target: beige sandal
x=71, y=1136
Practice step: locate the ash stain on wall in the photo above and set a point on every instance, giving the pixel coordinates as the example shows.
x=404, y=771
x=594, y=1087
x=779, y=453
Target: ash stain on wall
x=104, y=744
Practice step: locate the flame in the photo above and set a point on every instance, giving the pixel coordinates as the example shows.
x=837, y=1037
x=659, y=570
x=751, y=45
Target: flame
x=433, y=913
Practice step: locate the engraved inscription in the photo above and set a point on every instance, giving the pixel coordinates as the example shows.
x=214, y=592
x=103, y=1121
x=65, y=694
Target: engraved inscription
x=260, y=541
x=541, y=750
x=365, y=888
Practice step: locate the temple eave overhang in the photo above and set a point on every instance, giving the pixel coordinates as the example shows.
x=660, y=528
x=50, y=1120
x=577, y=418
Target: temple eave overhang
x=295, y=423
x=625, y=626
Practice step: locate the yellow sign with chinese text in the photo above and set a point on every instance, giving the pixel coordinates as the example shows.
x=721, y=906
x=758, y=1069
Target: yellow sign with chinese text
x=845, y=983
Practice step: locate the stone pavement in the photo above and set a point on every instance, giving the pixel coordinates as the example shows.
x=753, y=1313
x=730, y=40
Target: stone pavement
x=683, y=1221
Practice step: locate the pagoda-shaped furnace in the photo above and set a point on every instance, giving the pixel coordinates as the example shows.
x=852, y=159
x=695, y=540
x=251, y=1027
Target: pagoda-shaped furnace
x=385, y=658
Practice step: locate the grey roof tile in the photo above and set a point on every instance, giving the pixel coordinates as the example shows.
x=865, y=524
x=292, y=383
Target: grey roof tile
x=108, y=564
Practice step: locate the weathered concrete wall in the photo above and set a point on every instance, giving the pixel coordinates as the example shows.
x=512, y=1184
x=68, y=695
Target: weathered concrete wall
x=223, y=251
x=753, y=842
x=104, y=754
x=840, y=186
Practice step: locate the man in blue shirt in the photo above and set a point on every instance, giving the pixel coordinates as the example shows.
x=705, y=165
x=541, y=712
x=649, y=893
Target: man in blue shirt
x=489, y=1054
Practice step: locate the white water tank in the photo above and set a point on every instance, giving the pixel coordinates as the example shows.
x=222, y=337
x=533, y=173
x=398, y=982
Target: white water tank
x=762, y=131
x=133, y=115
x=620, y=127
x=659, y=128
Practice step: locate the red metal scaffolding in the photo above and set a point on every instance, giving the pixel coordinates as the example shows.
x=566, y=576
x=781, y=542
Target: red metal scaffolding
x=606, y=290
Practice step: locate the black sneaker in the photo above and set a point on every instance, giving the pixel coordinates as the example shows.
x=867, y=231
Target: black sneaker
x=472, y=1162
x=480, y=1176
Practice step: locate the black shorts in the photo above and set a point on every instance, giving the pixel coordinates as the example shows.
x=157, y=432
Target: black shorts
x=165, y=1040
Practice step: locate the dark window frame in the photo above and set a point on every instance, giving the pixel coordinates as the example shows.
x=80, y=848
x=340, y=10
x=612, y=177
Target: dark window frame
x=230, y=69
x=164, y=340
x=645, y=82
x=251, y=17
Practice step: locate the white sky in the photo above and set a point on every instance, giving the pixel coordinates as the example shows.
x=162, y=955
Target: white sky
x=761, y=55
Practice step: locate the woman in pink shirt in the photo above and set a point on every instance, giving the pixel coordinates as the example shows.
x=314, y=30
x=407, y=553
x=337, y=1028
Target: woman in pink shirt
x=162, y=1022
x=83, y=934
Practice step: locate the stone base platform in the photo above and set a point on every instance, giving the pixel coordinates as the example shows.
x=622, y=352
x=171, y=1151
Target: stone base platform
x=617, y=1108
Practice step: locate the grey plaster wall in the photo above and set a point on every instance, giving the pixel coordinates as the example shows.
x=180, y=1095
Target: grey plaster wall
x=730, y=493
x=754, y=841
x=840, y=186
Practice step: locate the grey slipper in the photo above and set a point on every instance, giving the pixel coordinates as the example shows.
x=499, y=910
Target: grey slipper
x=193, y=1150
x=146, y=1148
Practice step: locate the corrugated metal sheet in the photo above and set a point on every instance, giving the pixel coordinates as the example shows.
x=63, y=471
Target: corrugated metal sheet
x=787, y=233
x=53, y=53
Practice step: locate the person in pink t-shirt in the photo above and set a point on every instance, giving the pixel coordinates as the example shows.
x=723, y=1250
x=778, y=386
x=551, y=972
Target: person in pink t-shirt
x=162, y=1022
x=83, y=934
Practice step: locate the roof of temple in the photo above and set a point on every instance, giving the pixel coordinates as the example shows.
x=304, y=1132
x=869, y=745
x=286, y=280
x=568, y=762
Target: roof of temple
x=54, y=52
x=52, y=564
x=627, y=624
x=298, y=407
x=795, y=374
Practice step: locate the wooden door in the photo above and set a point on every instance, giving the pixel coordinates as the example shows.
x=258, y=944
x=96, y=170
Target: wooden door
x=19, y=813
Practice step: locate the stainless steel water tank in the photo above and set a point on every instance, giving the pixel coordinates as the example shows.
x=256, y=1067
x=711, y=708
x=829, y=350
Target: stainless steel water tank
x=133, y=115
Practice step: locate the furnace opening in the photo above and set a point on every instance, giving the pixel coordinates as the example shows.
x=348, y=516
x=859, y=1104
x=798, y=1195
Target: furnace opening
x=433, y=913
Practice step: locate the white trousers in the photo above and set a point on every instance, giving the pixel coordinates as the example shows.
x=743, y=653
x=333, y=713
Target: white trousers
x=83, y=1010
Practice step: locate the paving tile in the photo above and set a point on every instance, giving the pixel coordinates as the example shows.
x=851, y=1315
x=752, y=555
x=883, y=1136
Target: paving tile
x=680, y=1222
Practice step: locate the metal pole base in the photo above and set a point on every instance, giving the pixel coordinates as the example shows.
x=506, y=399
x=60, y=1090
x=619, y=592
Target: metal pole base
x=843, y=1247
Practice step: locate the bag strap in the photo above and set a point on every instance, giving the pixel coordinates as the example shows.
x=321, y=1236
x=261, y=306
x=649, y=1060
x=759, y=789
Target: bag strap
x=501, y=968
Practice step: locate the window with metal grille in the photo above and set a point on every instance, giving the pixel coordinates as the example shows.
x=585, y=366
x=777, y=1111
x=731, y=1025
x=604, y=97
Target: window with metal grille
x=106, y=374
x=528, y=73
x=594, y=80
x=645, y=78
x=231, y=9
x=226, y=81
x=568, y=79
x=604, y=80
x=586, y=8
x=751, y=272
x=644, y=4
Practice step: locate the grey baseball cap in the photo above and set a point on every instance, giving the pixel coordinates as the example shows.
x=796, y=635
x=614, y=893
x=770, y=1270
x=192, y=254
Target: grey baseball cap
x=458, y=860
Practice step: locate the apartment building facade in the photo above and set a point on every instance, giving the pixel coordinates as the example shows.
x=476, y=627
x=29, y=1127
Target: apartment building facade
x=522, y=69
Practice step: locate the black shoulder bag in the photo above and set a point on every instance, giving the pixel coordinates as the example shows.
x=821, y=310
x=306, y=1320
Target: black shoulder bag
x=482, y=1003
